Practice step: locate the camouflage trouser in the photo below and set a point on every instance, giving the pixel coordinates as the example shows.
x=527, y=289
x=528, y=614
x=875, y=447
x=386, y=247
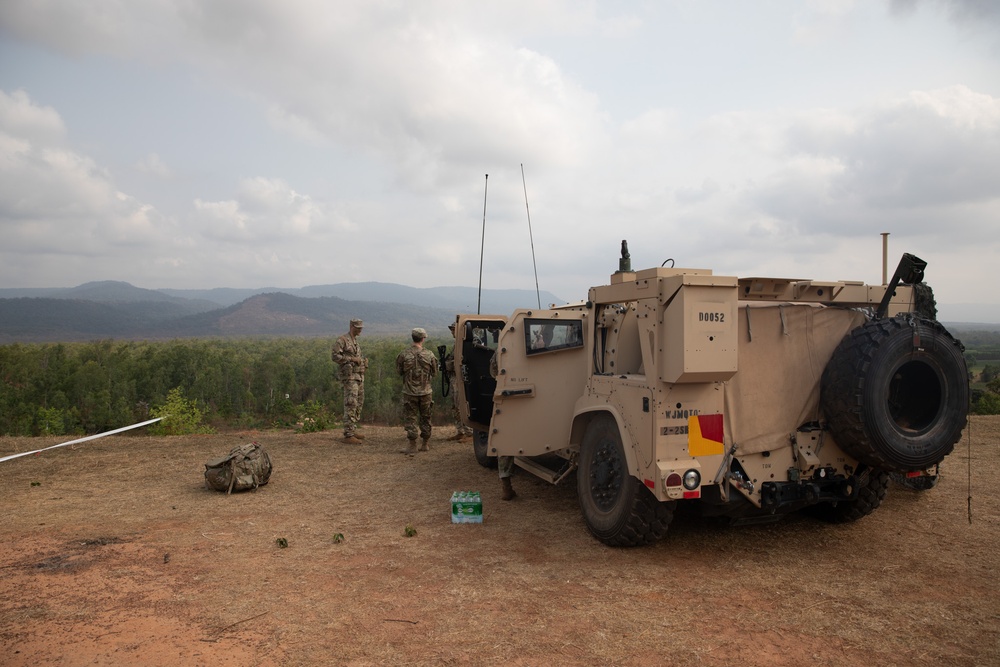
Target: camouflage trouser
x=459, y=426
x=505, y=464
x=354, y=400
x=417, y=415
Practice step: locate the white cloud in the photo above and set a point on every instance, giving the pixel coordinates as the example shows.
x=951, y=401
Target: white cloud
x=58, y=207
x=99, y=26
x=819, y=21
x=20, y=116
x=771, y=138
x=154, y=165
x=40, y=178
x=929, y=149
x=962, y=11
x=267, y=211
x=801, y=193
x=420, y=84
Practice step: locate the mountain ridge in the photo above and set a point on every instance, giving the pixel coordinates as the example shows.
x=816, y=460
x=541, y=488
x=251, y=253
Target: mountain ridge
x=115, y=309
x=119, y=310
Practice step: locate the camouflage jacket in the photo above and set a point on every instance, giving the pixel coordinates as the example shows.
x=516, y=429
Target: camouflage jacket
x=418, y=367
x=347, y=354
x=449, y=364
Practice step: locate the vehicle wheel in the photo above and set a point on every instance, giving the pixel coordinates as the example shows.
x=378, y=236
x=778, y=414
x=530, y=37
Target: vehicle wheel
x=874, y=485
x=896, y=393
x=480, y=441
x=922, y=483
x=617, y=508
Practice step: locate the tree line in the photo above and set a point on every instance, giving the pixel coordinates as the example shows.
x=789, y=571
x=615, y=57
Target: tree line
x=982, y=348
x=986, y=396
x=84, y=388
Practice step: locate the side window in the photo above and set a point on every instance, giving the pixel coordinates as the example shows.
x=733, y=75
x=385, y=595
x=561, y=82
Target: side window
x=481, y=335
x=485, y=338
x=551, y=335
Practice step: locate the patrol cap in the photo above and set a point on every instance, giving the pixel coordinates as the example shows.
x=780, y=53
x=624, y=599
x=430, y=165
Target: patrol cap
x=418, y=334
x=357, y=323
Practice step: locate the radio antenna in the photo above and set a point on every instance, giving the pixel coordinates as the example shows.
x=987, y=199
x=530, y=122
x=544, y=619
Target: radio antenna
x=482, y=248
x=530, y=237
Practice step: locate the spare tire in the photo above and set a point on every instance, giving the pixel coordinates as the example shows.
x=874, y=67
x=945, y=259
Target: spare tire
x=896, y=393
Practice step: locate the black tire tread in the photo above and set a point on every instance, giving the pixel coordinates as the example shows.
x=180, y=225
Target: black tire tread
x=874, y=487
x=639, y=518
x=922, y=483
x=479, y=440
x=844, y=384
x=648, y=520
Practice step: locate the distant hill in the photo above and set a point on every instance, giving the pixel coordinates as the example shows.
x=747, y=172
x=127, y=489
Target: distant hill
x=971, y=313
x=457, y=299
x=965, y=327
x=279, y=314
x=119, y=310
x=43, y=319
x=112, y=309
x=110, y=291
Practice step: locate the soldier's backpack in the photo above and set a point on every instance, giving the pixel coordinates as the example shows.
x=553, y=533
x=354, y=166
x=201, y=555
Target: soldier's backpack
x=245, y=467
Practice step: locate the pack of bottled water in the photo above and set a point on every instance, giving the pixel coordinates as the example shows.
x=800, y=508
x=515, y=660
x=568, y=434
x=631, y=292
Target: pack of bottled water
x=466, y=507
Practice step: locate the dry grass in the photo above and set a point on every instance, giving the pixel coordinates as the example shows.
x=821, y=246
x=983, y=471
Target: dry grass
x=118, y=555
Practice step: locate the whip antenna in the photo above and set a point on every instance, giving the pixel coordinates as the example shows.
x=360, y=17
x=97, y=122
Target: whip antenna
x=482, y=247
x=531, y=238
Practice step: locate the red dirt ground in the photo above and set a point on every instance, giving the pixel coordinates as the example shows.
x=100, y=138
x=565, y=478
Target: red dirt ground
x=115, y=554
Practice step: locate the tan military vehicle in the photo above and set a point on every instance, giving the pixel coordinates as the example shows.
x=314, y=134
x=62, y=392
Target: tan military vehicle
x=752, y=397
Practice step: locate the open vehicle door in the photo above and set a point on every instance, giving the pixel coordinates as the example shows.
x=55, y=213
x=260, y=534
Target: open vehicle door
x=476, y=339
x=541, y=369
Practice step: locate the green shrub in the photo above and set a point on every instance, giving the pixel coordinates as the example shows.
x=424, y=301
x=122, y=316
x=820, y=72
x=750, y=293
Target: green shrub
x=50, y=421
x=985, y=403
x=179, y=416
x=313, y=417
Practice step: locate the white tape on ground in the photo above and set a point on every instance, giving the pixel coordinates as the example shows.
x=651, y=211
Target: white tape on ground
x=89, y=437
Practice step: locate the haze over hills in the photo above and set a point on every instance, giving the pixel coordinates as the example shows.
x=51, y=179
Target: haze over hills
x=459, y=299
x=113, y=309
x=971, y=314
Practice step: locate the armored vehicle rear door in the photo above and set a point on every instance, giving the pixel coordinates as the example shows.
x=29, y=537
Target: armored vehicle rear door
x=542, y=369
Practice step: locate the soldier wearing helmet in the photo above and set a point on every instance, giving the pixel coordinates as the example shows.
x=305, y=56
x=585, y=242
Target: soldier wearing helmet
x=417, y=367
x=346, y=354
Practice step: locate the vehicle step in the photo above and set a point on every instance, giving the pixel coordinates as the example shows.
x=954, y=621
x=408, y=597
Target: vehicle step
x=548, y=474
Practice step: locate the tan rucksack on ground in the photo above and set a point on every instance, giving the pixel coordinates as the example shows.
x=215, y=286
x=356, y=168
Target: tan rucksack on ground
x=245, y=467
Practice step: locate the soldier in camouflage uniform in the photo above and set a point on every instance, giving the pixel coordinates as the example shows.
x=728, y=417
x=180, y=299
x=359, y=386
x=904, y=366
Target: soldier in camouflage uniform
x=346, y=353
x=418, y=367
x=462, y=432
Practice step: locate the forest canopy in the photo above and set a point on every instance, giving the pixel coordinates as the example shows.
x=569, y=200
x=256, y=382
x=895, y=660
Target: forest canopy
x=84, y=388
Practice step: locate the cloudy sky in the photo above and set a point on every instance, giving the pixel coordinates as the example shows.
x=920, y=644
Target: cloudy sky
x=251, y=143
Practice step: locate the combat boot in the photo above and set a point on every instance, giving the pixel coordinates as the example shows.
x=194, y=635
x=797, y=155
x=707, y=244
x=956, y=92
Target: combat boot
x=359, y=436
x=458, y=436
x=506, y=490
x=423, y=445
x=351, y=440
x=411, y=447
